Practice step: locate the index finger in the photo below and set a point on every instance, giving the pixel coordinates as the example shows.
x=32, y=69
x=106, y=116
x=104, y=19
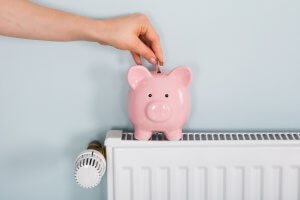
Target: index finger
x=153, y=38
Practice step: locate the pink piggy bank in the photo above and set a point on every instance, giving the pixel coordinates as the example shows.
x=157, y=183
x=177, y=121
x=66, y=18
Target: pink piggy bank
x=158, y=101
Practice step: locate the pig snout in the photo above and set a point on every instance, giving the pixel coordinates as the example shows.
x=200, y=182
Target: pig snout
x=158, y=111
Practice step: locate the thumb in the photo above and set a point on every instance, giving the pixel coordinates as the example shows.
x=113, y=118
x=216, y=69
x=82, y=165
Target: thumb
x=143, y=50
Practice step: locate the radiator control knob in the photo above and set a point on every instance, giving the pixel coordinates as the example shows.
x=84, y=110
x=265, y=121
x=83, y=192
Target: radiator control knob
x=90, y=166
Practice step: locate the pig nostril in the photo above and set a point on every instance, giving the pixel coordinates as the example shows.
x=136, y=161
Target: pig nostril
x=166, y=95
x=149, y=95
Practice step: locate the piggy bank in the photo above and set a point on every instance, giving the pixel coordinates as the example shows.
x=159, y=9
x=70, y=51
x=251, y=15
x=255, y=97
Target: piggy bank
x=158, y=102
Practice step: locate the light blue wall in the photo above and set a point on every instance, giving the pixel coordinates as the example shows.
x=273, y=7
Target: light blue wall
x=56, y=97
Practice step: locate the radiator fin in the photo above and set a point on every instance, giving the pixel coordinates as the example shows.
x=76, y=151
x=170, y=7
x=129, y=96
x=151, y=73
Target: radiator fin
x=219, y=183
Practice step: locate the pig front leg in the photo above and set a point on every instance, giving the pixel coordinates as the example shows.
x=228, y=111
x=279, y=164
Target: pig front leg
x=141, y=134
x=174, y=134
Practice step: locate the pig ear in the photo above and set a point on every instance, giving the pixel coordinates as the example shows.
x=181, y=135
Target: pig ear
x=182, y=74
x=136, y=74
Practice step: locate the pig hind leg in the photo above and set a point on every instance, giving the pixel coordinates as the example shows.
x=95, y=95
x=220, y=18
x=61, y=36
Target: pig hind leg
x=174, y=134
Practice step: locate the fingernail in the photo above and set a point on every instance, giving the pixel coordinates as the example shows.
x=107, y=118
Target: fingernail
x=153, y=61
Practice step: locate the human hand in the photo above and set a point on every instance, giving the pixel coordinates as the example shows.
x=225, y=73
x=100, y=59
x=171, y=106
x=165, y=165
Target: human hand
x=134, y=33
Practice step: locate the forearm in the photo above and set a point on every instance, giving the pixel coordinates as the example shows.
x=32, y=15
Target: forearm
x=24, y=19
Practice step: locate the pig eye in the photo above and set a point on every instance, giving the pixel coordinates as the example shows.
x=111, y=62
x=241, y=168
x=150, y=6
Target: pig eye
x=149, y=95
x=166, y=95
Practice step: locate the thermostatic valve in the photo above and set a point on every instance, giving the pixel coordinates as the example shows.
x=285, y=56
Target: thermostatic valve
x=90, y=166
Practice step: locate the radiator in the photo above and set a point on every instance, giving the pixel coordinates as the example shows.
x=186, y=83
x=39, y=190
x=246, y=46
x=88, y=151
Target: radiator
x=208, y=166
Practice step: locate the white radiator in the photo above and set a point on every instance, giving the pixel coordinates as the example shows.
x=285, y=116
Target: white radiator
x=208, y=166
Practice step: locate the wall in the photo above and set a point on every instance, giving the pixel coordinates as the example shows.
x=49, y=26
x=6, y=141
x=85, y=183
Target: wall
x=56, y=97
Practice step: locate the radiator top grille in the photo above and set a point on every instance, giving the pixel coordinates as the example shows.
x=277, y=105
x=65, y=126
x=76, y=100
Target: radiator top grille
x=224, y=136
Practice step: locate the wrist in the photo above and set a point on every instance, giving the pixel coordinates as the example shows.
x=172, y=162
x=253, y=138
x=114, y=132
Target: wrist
x=95, y=31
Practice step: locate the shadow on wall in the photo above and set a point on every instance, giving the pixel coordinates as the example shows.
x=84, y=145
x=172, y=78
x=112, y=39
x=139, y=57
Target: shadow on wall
x=111, y=95
x=195, y=84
